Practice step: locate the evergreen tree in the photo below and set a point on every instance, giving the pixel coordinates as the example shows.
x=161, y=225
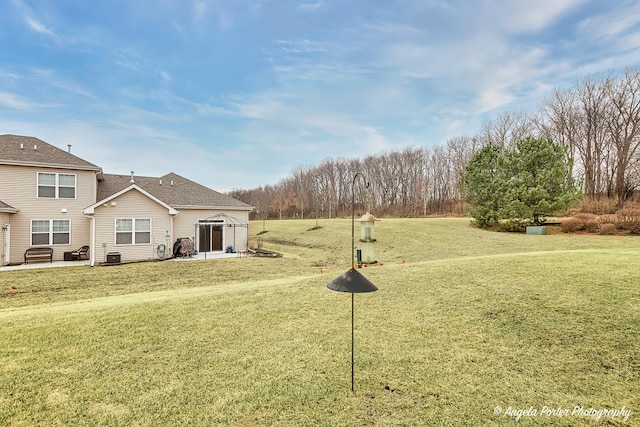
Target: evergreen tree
x=522, y=185
x=484, y=184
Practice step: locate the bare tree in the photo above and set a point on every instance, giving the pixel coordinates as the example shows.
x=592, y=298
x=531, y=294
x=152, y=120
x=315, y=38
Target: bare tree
x=507, y=129
x=624, y=127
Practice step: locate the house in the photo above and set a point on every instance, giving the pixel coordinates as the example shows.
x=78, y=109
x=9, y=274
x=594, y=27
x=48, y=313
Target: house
x=51, y=198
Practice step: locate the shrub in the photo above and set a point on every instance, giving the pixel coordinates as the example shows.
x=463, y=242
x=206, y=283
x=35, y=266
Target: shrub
x=512, y=225
x=570, y=225
x=608, y=219
x=607, y=228
x=628, y=219
x=585, y=216
x=581, y=222
x=592, y=225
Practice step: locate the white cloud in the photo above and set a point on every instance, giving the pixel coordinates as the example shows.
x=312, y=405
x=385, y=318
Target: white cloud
x=310, y=7
x=31, y=22
x=527, y=16
x=39, y=27
x=614, y=23
x=18, y=102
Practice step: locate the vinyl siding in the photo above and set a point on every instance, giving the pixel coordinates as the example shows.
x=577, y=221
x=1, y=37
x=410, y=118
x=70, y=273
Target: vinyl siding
x=135, y=205
x=18, y=188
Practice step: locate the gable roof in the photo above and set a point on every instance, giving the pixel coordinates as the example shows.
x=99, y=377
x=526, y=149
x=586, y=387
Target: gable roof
x=173, y=189
x=91, y=209
x=7, y=208
x=30, y=151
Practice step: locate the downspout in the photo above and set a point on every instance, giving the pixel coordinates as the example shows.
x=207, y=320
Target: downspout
x=5, y=231
x=172, y=238
x=92, y=239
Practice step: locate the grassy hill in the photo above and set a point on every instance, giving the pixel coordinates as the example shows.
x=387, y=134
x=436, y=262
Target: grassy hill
x=471, y=328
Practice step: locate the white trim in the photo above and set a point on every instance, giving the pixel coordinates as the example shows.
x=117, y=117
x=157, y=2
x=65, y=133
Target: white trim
x=133, y=232
x=49, y=165
x=57, y=186
x=213, y=223
x=50, y=232
x=91, y=209
x=217, y=208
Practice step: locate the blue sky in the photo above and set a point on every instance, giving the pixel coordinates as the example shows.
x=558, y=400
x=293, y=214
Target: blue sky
x=237, y=93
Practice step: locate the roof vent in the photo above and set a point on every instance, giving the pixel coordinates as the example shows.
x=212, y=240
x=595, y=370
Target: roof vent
x=35, y=147
x=171, y=182
x=69, y=148
x=132, y=177
x=160, y=182
x=21, y=146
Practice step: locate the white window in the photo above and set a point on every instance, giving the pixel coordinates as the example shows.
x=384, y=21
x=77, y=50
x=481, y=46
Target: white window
x=56, y=185
x=133, y=231
x=50, y=232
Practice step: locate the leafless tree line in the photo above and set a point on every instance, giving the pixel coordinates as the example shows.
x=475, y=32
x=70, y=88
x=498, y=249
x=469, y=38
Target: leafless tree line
x=597, y=121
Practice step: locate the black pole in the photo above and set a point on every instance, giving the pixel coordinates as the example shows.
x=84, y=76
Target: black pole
x=352, y=342
x=353, y=249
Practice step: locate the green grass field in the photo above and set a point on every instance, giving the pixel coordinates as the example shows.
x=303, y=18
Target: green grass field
x=472, y=327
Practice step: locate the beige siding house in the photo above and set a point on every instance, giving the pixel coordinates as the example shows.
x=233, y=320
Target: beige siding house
x=46, y=189
x=51, y=198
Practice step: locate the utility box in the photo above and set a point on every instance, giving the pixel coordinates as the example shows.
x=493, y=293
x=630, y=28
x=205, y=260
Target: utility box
x=537, y=230
x=113, y=258
x=367, y=239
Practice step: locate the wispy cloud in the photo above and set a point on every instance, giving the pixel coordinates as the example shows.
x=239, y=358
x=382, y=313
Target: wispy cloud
x=30, y=20
x=128, y=58
x=612, y=24
x=38, y=27
x=519, y=17
x=312, y=6
x=18, y=102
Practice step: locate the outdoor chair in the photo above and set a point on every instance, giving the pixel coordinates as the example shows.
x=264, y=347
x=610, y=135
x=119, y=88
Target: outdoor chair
x=82, y=253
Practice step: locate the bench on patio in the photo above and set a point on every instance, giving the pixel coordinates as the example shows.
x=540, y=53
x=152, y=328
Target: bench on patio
x=38, y=254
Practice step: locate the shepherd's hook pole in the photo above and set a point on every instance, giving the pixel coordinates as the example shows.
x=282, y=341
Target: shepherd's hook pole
x=353, y=240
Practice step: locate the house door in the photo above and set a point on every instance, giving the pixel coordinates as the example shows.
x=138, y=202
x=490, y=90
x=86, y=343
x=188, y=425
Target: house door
x=210, y=237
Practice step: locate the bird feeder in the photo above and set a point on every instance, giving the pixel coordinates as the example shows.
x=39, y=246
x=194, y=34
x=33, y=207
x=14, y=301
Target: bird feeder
x=367, y=239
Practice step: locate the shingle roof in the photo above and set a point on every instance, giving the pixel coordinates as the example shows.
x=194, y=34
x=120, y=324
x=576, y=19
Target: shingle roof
x=173, y=189
x=27, y=150
x=7, y=208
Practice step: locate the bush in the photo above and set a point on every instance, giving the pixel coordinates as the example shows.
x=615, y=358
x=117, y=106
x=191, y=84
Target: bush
x=512, y=225
x=570, y=225
x=608, y=219
x=581, y=222
x=628, y=219
x=592, y=225
x=584, y=217
x=607, y=228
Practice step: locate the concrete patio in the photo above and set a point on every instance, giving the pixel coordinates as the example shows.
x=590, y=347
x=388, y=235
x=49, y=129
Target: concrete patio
x=202, y=256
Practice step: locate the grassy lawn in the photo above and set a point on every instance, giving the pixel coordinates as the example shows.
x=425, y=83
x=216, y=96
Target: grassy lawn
x=464, y=321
